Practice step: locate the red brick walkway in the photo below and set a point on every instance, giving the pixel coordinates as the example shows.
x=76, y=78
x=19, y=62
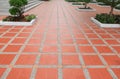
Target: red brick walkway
x=63, y=44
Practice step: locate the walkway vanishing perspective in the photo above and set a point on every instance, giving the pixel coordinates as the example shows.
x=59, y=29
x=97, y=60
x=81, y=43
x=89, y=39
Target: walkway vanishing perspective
x=62, y=44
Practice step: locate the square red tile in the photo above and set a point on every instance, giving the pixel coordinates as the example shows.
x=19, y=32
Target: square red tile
x=14, y=30
x=112, y=60
x=2, y=70
x=3, y=30
x=76, y=30
x=99, y=73
x=35, y=41
x=97, y=41
x=86, y=49
x=51, y=36
x=9, y=34
x=79, y=36
x=82, y=41
x=117, y=72
x=66, y=41
x=27, y=30
x=52, y=30
x=112, y=42
x=26, y=60
x=19, y=73
x=70, y=60
x=117, y=35
x=46, y=73
x=37, y=35
x=19, y=40
x=23, y=35
x=66, y=36
x=100, y=31
x=104, y=49
x=48, y=59
x=50, y=48
x=31, y=48
x=105, y=36
x=12, y=48
x=1, y=46
x=117, y=48
x=69, y=49
x=73, y=73
x=50, y=41
x=88, y=31
x=92, y=36
x=4, y=40
x=92, y=60
x=6, y=59
x=18, y=27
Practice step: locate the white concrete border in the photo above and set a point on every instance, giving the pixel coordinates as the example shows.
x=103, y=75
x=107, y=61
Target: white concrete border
x=77, y=5
x=5, y=23
x=104, y=24
x=89, y=10
x=116, y=9
x=103, y=5
x=93, y=3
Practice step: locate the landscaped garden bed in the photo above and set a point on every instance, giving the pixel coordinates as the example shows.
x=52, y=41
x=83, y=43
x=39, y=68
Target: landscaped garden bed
x=108, y=20
x=85, y=7
x=103, y=4
x=77, y=3
x=17, y=16
x=93, y=2
x=71, y=0
x=26, y=20
x=117, y=8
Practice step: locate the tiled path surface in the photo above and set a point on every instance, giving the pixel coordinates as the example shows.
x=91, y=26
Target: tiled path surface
x=63, y=44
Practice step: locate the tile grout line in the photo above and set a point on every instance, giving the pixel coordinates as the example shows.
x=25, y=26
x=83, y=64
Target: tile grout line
x=86, y=73
x=35, y=68
x=112, y=73
x=60, y=73
x=16, y=57
x=103, y=60
x=115, y=52
x=13, y=61
x=10, y=39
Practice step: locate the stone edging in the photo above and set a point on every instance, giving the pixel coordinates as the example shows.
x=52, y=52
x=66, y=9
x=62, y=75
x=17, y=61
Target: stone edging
x=86, y=9
x=105, y=25
x=18, y=23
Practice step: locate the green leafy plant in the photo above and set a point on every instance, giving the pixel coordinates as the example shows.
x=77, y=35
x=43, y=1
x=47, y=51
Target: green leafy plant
x=109, y=18
x=17, y=7
x=106, y=18
x=71, y=0
x=118, y=6
x=112, y=3
x=85, y=2
x=30, y=17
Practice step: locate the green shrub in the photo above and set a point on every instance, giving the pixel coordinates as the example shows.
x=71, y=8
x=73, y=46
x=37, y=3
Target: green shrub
x=71, y=0
x=104, y=4
x=30, y=17
x=106, y=18
x=111, y=3
x=85, y=2
x=6, y=19
x=77, y=3
x=118, y=7
x=17, y=7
